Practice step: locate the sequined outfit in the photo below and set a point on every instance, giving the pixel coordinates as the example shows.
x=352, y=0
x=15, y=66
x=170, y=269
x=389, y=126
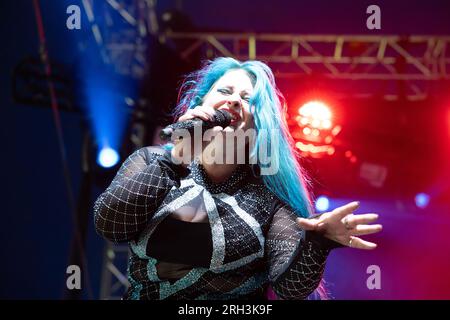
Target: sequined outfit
x=255, y=239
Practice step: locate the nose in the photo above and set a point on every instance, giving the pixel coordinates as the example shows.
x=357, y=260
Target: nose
x=234, y=102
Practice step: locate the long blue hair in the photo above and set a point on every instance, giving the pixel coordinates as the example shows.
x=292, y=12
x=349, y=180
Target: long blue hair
x=268, y=107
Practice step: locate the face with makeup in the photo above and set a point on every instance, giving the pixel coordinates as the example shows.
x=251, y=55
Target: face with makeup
x=232, y=93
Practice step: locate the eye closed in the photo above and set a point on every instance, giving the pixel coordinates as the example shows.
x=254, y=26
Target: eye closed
x=224, y=91
x=228, y=92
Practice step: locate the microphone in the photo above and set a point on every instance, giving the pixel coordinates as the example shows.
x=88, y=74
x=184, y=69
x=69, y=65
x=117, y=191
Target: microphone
x=221, y=118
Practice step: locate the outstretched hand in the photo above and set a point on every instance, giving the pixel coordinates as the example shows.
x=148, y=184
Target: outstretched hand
x=342, y=226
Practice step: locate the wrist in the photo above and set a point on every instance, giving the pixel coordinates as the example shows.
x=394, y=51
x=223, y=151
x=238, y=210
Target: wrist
x=323, y=241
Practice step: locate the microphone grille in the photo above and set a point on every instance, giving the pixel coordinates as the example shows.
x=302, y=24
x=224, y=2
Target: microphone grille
x=223, y=118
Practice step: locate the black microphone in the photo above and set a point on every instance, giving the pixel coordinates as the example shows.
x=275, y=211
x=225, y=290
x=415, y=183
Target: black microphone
x=221, y=118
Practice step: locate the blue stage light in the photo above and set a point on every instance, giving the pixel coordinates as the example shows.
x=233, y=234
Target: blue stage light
x=107, y=157
x=422, y=200
x=322, y=204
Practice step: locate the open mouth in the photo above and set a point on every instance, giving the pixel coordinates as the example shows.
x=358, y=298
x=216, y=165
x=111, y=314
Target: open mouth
x=235, y=117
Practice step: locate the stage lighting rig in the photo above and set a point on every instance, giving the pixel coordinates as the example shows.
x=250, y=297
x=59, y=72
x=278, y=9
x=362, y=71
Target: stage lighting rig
x=316, y=130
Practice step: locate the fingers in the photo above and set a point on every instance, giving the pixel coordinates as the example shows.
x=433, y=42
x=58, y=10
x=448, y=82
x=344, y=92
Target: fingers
x=360, y=230
x=346, y=209
x=308, y=224
x=202, y=112
x=195, y=113
x=187, y=116
x=354, y=220
x=359, y=243
x=208, y=110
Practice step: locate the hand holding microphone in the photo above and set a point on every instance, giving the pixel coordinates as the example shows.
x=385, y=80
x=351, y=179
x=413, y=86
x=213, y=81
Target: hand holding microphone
x=203, y=112
x=203, y=117
x=199, y=117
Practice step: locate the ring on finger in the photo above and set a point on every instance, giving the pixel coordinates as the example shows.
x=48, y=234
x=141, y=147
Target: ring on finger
x=350, y=242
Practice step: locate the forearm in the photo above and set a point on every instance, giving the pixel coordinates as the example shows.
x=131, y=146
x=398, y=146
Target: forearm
x=302, y=273
x=124, y=209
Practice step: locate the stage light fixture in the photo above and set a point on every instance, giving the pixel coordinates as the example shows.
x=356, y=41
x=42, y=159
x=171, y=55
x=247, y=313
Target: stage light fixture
x=107, y=157
x=317, y=130
x=322, y=204
x=422, y=200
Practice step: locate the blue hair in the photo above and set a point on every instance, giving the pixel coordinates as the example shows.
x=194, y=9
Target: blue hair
x=268, y=107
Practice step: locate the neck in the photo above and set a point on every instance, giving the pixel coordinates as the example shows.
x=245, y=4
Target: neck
x=218, y=173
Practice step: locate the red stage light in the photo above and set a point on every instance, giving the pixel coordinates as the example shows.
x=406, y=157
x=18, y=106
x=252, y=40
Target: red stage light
x=317, y=131
x=316, y=113
x=331, y=151
x=326, y=124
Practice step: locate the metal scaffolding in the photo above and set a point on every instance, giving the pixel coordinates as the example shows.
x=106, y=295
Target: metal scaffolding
x=120, y=29
x=412, y=60
x=337, y=56
x=114, y=281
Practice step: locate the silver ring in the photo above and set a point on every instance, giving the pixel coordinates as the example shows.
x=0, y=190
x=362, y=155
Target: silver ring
x=350, y=242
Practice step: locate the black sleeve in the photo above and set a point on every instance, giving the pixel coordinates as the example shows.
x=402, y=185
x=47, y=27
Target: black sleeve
x=139, y=187
x=296, y=258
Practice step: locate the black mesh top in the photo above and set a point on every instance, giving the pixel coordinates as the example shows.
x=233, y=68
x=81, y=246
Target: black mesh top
x=181, y=242
x=250, y=238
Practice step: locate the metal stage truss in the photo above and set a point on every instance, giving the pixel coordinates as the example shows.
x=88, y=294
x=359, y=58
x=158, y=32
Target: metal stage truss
x=355, y=57
x=414, y=60
x=113, y=279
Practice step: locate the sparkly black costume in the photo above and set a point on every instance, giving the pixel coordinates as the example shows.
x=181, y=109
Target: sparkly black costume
x=250, y=239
